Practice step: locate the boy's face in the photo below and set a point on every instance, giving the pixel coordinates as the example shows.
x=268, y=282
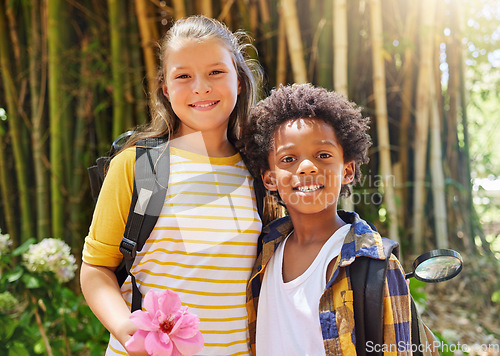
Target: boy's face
x=307, y=166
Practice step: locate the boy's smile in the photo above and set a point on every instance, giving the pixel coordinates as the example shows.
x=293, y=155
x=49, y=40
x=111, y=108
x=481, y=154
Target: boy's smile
x=307, y=166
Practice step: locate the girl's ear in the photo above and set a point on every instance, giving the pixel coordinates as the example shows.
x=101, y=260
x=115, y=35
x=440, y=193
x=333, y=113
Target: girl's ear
x=269, y=180
x=349, y=169
x=165, y=91
x=239, y=87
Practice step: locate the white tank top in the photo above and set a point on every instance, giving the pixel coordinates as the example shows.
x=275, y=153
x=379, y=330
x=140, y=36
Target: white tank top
x=288, y=317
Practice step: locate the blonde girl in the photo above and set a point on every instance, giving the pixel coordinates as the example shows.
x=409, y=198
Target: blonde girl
x=204, y=243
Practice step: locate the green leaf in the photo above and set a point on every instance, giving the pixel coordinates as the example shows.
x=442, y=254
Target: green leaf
x=24, y=247
x=15, y=274
x=31, y=282
x=18, y=349
x=495, y=297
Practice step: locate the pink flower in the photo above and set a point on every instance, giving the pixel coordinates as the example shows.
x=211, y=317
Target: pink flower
x=165, y=328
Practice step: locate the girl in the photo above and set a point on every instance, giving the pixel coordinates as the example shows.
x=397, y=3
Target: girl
x=204, y=243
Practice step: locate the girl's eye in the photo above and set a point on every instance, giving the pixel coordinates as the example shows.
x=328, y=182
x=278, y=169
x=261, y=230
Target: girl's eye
x=214, y=72
x=324, y=155
x=182, y=76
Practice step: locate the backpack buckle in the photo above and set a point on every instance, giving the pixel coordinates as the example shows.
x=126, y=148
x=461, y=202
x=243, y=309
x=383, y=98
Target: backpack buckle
x=128, y=248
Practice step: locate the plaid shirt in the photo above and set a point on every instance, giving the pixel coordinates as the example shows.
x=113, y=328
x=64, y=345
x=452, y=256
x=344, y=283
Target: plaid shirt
x=336, y=314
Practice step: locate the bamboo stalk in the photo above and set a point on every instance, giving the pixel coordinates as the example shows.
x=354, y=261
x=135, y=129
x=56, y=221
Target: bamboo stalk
x=340, y=47
x=281, y=60
x=205, y=7
x=15, y=129
x=294, y=41
x=179, y=9
x=382, y=119
x=422, y=120
x=148, y=38
x=437, y=174
x=407, y=97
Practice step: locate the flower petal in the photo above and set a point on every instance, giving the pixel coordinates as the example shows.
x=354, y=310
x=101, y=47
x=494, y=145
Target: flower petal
x=136, y=342
x=186, y=325
x=155, y=346
x=151, y=302
x=189, y=346
x=169, y=302
x=143, y=321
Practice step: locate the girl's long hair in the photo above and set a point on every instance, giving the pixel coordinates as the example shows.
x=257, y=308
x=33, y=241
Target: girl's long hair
x=164, y=122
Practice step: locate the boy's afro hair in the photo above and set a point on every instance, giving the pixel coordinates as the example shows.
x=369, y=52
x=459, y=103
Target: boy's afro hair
x=304, y=101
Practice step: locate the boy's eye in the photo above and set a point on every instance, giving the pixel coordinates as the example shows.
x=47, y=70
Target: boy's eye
x=287, y=160
x=324, y=155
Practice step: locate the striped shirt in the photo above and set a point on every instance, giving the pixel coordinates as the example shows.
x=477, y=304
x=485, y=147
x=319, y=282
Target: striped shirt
x=203, y=247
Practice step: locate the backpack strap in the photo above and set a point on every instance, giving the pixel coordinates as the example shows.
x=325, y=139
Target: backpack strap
x=367, y=282
x=152, y=166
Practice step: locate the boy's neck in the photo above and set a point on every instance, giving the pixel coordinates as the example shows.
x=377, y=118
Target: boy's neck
x=313, y=228
x=207, y=144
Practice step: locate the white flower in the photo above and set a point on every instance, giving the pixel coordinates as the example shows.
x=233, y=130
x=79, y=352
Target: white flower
x=51, y=255
x=5, y=243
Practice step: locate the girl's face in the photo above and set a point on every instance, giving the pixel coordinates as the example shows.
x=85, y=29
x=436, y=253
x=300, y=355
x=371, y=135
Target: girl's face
x=307, y=166
x=202, y=85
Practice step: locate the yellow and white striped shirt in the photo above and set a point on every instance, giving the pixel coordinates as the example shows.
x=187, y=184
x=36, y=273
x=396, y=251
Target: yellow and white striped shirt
x=203, y=247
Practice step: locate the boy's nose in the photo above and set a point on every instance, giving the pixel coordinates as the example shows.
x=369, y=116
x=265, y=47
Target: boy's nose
x=306, y=166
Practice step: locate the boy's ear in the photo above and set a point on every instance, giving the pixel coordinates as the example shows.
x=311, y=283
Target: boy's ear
x=349, y=169
x=269, y=180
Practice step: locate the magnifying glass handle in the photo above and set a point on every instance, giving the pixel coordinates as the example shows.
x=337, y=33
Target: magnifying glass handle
x=409, y=275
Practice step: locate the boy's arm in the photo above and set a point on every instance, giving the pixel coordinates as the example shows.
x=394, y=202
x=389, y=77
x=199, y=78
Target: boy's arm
x=397, y=311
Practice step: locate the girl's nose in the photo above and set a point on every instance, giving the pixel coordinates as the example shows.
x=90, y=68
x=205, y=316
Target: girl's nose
x=307, y=167
x=202, y=86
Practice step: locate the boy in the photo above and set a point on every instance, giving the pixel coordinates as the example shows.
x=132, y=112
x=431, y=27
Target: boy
x=307, y=145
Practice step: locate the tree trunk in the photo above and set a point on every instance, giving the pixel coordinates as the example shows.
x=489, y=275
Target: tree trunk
x=139, y=100
x=117, y=25
x=37, y=37
x=422, y=120
x=294, y=41
x=6, y=192
x=437, y=175
x=340, y=64
x=59, y=105
x=340, y=67
x=79, y=181
x=205, y=7
x=281, y=58
x=179, y=9
x=382, y=121
x=16, y=126
x=149, y=34
x=407, y=103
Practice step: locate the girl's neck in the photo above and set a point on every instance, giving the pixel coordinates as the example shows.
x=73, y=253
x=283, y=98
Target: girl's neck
x=207, y=144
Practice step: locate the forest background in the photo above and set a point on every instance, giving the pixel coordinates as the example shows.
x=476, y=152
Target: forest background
x=76, y=73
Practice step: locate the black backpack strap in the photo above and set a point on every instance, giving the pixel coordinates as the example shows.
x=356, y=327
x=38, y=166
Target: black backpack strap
x=152, y=166
x=367, y=282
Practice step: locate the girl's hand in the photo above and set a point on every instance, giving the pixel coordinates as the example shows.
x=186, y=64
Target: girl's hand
x=126, y=331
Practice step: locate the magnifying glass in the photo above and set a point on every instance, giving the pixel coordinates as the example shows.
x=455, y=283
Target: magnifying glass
x=436, y=266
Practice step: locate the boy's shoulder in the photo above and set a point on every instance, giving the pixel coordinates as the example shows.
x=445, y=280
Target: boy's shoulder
x=277, y=228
